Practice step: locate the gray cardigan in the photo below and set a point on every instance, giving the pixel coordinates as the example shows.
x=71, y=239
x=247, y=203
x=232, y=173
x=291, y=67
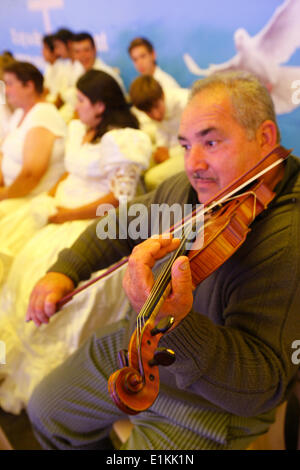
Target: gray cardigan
x=233, y=351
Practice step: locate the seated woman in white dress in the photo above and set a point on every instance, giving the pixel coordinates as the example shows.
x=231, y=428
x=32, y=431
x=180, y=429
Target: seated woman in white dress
x=105, y=152
x=32, y=151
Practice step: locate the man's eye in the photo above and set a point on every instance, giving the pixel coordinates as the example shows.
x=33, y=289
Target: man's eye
x=211, y=143
x=185, y=146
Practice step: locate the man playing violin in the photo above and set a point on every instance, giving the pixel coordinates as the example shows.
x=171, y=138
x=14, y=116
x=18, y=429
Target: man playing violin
x=233, y=333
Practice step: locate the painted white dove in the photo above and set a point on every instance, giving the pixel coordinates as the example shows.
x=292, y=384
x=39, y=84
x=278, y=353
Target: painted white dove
x=264, y=53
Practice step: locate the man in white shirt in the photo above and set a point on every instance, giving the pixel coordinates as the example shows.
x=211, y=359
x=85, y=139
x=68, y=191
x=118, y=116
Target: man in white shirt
x=143, y=57
x=164, y=107
x=85, y=52
x=62, y=75
x=82, y=57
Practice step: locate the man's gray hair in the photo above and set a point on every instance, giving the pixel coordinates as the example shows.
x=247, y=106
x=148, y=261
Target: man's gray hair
x=250, y=99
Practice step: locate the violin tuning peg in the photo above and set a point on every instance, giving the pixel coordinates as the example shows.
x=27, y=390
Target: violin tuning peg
x=163, y=325
x=123, y=358
x=162, y=357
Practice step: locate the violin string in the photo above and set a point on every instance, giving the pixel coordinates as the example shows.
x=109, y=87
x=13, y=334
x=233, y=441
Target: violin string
x=165, y=276
x=282, y=154
x=280, y=151
x=223, y=199
x=158, y=288
x=247, y=193
x=163, y=279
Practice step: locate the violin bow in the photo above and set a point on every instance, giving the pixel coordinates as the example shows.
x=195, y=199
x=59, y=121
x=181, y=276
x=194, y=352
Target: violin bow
x=221, y=197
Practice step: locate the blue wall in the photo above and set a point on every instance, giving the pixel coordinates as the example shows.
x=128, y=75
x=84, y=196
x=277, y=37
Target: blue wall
x=202, y=28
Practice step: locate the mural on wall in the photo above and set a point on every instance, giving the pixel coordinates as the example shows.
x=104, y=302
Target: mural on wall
x=203, y=30
x=263, y=55
x=44, y=6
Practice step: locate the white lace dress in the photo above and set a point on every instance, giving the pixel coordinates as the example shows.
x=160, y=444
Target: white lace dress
x=32, y=352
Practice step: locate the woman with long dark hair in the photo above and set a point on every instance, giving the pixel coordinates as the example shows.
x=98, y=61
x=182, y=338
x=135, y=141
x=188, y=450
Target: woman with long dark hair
x=116, y=112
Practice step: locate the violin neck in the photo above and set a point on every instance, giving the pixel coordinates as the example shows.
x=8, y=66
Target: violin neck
x=160, y=288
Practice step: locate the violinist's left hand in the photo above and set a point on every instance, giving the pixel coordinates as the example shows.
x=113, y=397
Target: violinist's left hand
x=138, y=279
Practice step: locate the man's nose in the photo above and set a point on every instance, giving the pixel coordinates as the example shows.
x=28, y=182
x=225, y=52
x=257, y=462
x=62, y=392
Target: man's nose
x=196, y=159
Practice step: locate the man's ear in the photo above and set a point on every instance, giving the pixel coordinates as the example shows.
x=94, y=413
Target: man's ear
x=267, y=135
x=29, y=85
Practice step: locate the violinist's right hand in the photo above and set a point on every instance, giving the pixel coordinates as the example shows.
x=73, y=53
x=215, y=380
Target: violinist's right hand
x=45, y=295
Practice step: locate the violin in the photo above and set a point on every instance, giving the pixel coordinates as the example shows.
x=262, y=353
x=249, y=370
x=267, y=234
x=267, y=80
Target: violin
x=135, y=386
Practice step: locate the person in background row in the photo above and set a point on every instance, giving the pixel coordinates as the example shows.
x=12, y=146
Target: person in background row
x=63, y=43
x=48, y=49
x=85, y=52
x=143, y=56
x=164, y=107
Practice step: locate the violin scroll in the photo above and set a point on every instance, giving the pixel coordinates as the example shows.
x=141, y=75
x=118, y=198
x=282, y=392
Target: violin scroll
x=124, y=382
x=135, y=386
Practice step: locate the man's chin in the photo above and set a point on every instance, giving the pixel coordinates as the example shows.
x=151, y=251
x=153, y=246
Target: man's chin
x=206, y=192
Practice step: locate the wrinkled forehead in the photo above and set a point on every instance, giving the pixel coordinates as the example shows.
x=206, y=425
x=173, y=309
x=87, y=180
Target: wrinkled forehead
x=210, y=96
x=207, y=107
